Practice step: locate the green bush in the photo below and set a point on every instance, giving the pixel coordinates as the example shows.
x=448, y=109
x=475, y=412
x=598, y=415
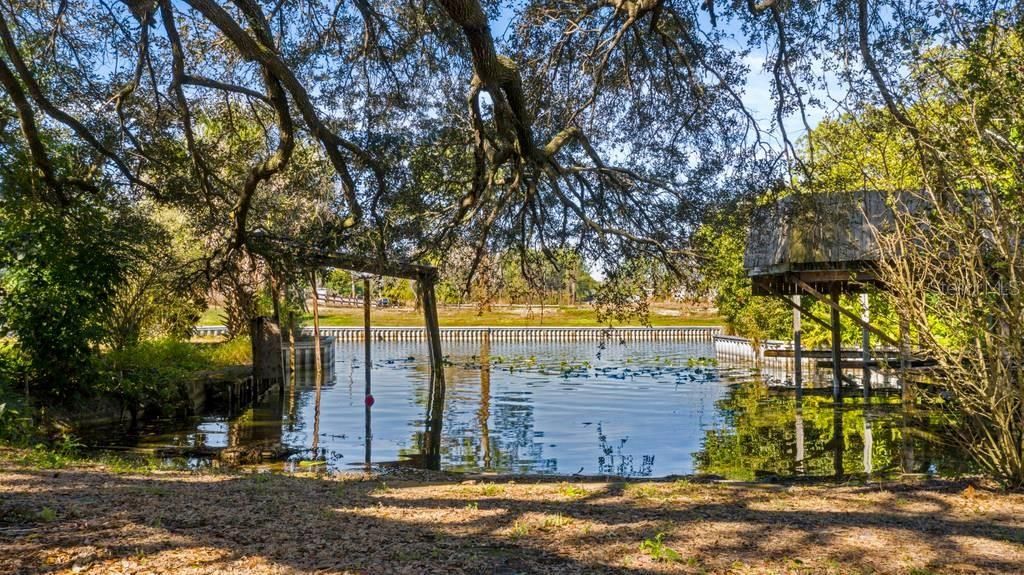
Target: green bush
x=151, y=372
x=237, y=351
x=15, y=416
x=15, y=422
x=59, y=267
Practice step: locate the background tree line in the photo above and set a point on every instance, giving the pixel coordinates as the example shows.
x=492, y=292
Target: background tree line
x=947, y=144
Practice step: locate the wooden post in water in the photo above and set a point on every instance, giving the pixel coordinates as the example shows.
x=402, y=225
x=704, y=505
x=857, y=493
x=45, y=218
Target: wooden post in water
x=316, y=331
x=432, y=438
x=367, y=369
x=865, y=345
x=484, y=413
x=837, y=343
x=275, y=293
x=433, y=331
x=317, y=368
x=798, y=368
x=906, y=392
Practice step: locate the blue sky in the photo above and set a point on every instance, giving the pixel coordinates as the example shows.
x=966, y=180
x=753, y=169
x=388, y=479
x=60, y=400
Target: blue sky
x=757, y=93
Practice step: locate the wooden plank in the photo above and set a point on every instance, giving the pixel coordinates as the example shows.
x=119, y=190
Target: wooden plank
x=875, y=363
x=825, y=353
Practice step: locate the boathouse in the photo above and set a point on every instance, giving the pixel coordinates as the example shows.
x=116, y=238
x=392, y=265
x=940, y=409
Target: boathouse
x=821, y=246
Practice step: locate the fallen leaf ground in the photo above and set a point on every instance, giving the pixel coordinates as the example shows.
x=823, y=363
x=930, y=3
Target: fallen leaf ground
x=89, y=519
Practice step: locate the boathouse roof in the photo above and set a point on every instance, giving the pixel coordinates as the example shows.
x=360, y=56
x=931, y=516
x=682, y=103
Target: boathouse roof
x=825, y=239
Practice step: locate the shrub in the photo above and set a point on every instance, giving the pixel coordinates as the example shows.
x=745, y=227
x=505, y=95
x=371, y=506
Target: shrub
x=150, y=372
x=15, y=415
x=59, y=267
x=237, y=351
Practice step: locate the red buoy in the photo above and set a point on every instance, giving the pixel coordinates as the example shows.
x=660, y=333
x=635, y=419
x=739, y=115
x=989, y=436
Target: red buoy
x=369, y=400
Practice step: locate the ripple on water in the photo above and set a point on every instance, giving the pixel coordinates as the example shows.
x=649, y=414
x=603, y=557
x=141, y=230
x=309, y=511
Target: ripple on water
x=642, y=409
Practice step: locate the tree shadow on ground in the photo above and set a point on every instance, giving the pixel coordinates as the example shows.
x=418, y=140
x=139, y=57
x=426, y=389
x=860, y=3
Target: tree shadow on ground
x=210, y=523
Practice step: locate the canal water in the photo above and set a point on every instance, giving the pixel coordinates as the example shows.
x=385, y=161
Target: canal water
x=635, y=409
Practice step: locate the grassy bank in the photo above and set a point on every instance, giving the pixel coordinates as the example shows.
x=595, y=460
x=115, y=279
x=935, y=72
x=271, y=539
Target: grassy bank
x=92, y=519
x=518, y=316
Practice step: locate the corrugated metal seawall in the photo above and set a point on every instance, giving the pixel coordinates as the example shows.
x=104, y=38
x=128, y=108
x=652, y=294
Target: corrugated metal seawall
x=505, y=333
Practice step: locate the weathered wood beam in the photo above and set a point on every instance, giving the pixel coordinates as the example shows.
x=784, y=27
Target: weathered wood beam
x=865, y=343
x=837, y=345
x=826, y=354
x=805, y=312
x=374, y=266
x=836, y=307
x=798, y=368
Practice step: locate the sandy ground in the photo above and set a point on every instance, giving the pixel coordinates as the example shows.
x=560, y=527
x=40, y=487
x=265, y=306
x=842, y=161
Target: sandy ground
x=88, y=519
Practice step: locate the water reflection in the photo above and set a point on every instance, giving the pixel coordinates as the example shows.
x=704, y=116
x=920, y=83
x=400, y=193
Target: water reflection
x=643, y=409
x=880, y=437
x=869, y=444
x=838, y=443
x=799, y=467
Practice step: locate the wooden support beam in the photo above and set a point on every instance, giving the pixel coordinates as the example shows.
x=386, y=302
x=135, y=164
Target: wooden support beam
x=806, y=312
x=837, y=345
x=798, y=372
x=865, y=314
x=433, y=329
x=318, y=369
x=316, y=332
x=906, y=388
x=837, y=308
x=874, y=363
x=892, y=355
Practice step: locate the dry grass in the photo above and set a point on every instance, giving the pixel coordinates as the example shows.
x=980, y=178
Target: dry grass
x=88, y=519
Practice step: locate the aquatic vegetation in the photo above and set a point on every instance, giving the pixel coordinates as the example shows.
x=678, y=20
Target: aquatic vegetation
x=701, y=362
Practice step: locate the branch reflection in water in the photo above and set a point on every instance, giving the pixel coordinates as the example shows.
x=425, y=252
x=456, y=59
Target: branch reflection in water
x=642, y=409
